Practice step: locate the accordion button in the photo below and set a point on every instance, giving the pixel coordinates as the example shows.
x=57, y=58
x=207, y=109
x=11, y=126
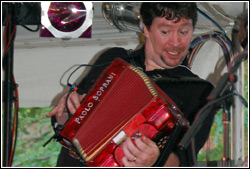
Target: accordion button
x=138, y=134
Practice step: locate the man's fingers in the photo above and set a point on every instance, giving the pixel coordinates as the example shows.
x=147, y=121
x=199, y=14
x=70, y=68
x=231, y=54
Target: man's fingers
x=73, y=102
x=52, y=113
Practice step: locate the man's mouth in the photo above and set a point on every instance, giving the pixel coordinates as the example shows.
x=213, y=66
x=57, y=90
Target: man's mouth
x=173, y=53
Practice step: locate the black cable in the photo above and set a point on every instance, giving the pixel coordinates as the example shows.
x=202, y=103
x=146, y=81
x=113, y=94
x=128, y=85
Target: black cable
x=7, y=51
x=242, y=99
x=74, y=87
x=10, y=135
x=193, y=151
x=31, y=30
x=17, y=122
x=213, y=21
x=31, y=15
x=66, y=103
x=82, y=65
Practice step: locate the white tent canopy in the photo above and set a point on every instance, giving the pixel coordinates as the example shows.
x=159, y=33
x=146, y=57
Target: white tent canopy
x=40, y=64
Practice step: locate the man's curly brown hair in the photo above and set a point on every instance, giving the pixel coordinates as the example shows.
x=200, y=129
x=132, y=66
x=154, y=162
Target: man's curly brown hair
x=169, y=10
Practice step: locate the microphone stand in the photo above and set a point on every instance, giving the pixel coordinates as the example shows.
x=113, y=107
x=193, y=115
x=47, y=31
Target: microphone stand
x=226, y=122
x=219, y=94
x=8, y=94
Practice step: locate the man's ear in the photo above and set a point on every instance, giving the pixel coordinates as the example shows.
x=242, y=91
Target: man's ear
x=144, y=30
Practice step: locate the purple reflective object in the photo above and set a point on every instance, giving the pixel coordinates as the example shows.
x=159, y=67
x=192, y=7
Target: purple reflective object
x=67, y=16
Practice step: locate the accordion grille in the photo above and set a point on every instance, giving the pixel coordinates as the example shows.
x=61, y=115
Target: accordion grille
x=129, y=96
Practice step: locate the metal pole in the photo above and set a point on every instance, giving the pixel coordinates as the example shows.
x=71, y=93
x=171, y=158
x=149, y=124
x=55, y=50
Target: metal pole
x=226, y=124
x=238, y=125
x=8, y=92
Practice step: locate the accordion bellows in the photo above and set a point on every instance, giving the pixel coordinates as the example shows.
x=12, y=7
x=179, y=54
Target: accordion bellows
x=122, y=103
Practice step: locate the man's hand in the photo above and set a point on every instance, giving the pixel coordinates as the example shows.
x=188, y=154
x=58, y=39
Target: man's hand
x=142, y=153
x=173, y=161
x=74, y=101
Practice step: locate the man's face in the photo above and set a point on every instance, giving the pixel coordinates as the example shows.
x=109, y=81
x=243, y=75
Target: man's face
x=167, y=42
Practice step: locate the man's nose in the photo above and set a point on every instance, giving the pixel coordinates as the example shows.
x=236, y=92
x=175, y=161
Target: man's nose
x=175, y=40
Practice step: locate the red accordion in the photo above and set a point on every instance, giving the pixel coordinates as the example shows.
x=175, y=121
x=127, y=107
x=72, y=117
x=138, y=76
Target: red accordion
x=122, y=103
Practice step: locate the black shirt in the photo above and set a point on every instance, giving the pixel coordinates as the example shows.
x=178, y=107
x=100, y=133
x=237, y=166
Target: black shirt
x=186, y=89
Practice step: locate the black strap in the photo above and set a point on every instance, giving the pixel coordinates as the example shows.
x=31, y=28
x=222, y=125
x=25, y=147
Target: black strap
x=180, y=79
x=168, y=148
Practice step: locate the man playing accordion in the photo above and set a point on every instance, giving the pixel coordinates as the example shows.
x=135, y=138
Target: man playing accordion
x=168, y=30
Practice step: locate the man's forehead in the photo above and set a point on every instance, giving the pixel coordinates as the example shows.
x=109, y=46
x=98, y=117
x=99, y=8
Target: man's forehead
x=182, y=22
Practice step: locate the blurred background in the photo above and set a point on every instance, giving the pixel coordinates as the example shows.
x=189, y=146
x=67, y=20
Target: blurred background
x=43, y=53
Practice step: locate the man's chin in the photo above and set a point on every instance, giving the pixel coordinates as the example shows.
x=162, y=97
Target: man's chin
x=171, y=63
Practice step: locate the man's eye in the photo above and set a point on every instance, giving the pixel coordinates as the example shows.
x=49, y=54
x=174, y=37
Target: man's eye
x=164, y=32
x=184, y=32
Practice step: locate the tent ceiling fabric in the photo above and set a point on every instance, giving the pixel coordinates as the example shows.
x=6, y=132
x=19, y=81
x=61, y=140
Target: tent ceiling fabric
x=225, y=13
x=32, y=52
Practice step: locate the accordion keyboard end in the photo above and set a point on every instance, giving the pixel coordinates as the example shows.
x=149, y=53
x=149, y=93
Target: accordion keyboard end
x=120, y=138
